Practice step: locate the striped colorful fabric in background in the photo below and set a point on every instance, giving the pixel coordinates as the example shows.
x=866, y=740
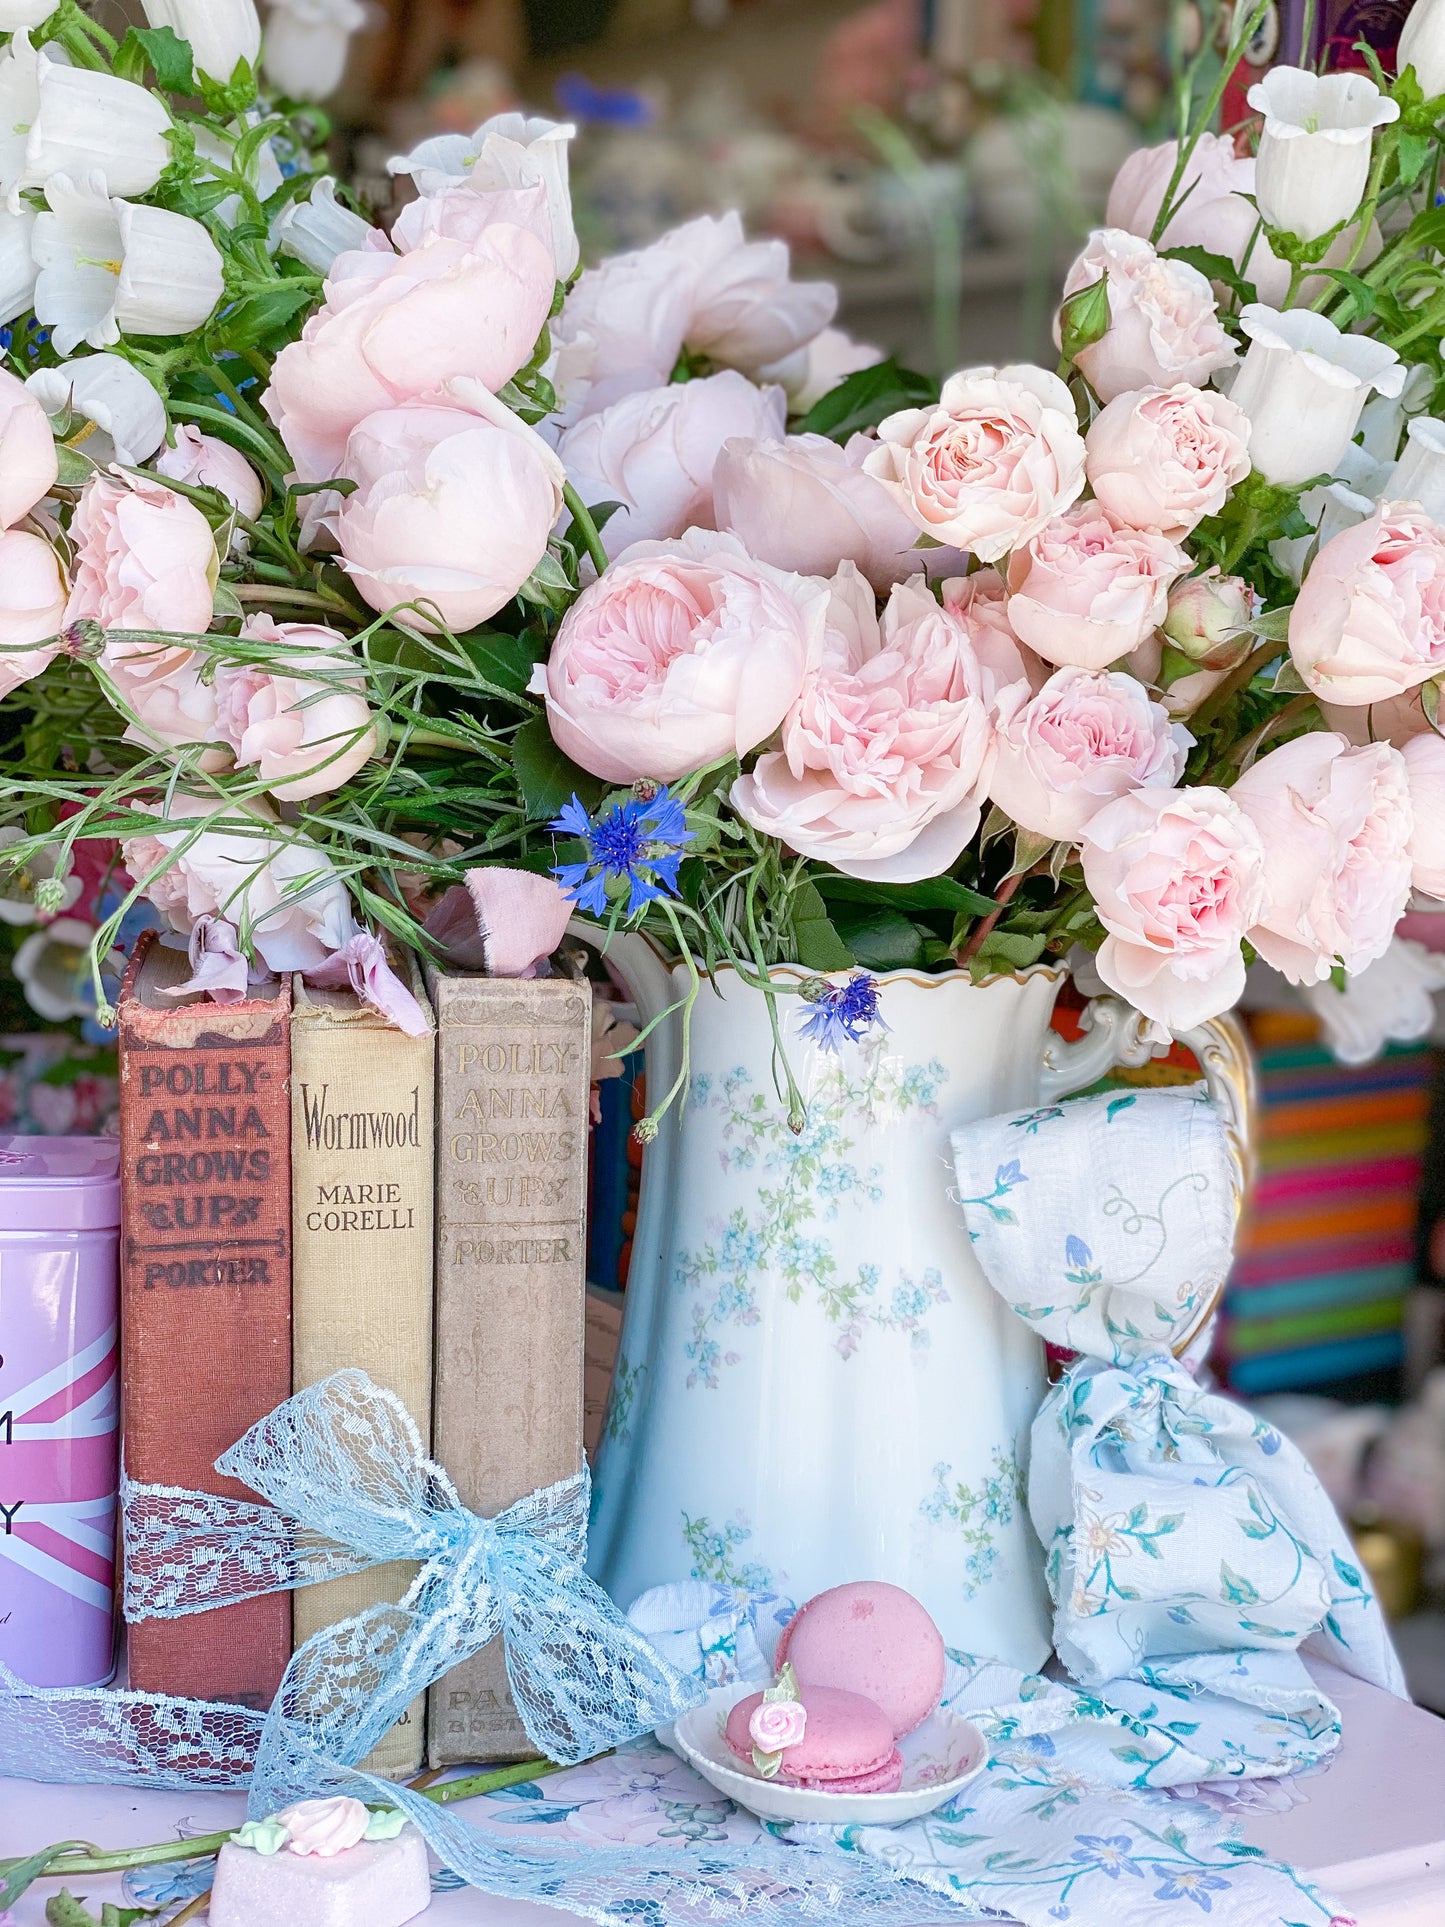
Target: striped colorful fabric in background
x=1327, y=1251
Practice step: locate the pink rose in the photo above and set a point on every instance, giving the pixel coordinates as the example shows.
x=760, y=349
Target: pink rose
x=621, y=327
x=1394, y=721
x=302, y=721
x=1087, y=591
x=886, y=753
x=980, y=602
x=996, y=459
x=28, y=462
x=1177, y=877
x=1085, y=738
x=807, y=504
x=654, y=451
x=1370, y=619
x=745, y=309
x=297, y=908
x=1164, y=458
x=465, y=212
x=1335, y=823
x=1163, y=323
x=396, y=326
x=324, y=1827
x=1425, y=772
x=32, y=607
x=145, y=559
x=682, y=654
x=777, y=1724
x=411, y=531
x=205, y=461
x=171, y=710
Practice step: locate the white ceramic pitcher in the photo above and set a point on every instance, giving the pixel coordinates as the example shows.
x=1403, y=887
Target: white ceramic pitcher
x=815, y=1381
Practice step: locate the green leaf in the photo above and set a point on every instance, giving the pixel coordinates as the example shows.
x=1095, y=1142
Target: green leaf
x=816, y=944
x=75, y=469
x=1414, y=153
x=865, y=398
x=113, y=1916
x=1084, y=318
x=547, y=778
x=506, y=661
x=16, y=1876
x=1288, y=681
x=881, y=939
x=1006, y=950
x=170, y=56
x=1215, y=267
x=1273, y=626
x=938, y=893
x=64, y=1910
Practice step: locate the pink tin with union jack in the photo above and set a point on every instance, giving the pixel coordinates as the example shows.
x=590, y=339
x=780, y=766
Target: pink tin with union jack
x=59, y=1406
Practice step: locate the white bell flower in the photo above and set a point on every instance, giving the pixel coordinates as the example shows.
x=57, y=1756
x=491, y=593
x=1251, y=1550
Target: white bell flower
x=1330, y=511
x=1419, y=475
x=1422, y=46
x=507, y=151
x=124, y=418
x=1302, y=385
x=1314, y=148
x=319, y=228
x=108, y=267
x=220, y=32
x=304, y=48
x=77, y=122
x=53, y=967
x=17, y=263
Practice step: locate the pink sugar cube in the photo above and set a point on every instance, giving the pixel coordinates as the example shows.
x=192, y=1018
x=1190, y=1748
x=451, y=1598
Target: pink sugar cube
x=379, y=1883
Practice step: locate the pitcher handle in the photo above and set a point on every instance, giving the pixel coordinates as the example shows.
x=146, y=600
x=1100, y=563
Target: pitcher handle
x=649, y=983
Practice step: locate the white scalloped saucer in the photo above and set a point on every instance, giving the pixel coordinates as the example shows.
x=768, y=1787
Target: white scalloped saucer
x=939, y=1759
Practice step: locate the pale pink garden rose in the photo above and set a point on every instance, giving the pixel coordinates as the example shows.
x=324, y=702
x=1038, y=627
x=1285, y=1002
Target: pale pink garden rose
x=172, y=710
x=1164, y=458
x=1087, y=591
x=32, y=607
x=324, y=1827
x=1177, y=877
x=987, y=468
x=465, y=212
x=1213, y=214
x=412, y=531
x=297, y=907
x=745, y=309
x=621, y=327
x=205, y=461
x=804, y=503
x=302, y=736
x=980, y=602
x=682, y=654
x=1397, y=720
x=28, y=462
x=886, y=753
x=1369, y=623
x=398, y=326
x=1087, y=737
x=1164, y=325
x=1425, y=772
x=145, y=559
x=655, y=450
x=1336, y=825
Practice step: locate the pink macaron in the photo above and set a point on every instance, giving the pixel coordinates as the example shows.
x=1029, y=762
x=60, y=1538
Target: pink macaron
x=847, y=1744
x=869, y=1638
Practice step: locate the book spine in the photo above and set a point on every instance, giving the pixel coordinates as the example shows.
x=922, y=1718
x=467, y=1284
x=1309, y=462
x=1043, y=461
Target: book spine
x=362, y=1185
x=513, y=1076
x=205, y=1287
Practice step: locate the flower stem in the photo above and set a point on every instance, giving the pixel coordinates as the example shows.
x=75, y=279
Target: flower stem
x=585, y=527
x=1235, y=680
x=979, y=935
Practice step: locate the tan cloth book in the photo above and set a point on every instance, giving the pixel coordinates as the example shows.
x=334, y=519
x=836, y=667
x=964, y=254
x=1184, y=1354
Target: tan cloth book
x=513, y=1078
x=362, y=1110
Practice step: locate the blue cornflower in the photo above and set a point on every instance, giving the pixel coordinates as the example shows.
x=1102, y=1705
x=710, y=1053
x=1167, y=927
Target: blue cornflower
x=640, y=840
x=842, y=1010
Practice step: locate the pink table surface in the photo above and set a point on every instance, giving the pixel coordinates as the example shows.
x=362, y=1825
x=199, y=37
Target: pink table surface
x=1371, y=1828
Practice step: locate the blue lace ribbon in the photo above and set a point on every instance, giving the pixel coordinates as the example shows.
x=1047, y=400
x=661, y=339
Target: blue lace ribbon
x=350, y=1486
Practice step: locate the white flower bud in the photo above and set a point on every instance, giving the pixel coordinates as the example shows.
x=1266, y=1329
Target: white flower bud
x=1419, y=475
x=221, y=32
x=306, y=43
x=316, y=230
x=1422, y=46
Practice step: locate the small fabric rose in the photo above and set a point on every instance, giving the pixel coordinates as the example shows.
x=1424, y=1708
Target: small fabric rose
x=1177, y=878
x=1085, y=738
x=1164, y=325
x=1336, y=823
x=1369, y=622
x=1087, y=590
x=682, y=654
x=324, y=1827
x=777, y=1724
x=1164, y=458
x=987, y=468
